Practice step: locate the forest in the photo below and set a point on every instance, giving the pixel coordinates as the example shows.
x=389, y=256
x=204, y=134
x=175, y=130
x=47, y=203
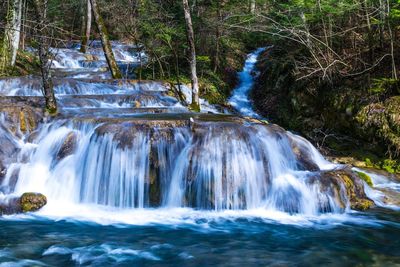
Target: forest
x=336, y=60
x=190, y=132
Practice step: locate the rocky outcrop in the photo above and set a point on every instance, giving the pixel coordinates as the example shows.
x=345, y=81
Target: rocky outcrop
x=28, y=202
x=346, y=187
x=382, y=120
x=20, y=117
x=68, y=146
x=9, y=149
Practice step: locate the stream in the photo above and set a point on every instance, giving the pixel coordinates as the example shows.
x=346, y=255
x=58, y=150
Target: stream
x=132, y=177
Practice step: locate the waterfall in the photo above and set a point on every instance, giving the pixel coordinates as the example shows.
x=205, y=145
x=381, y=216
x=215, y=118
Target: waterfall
x=218, y=166
x=129, y=145
x=240, y=99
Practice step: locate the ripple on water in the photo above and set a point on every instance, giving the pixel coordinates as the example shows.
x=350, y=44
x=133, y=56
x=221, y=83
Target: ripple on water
x=22, y=263
x=101, y=254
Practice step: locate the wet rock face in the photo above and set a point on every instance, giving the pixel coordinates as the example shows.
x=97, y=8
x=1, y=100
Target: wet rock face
x=3, y=171
x=28, y=202
x=9, y=149
x=15, y=120
x=346, y=185
x=68, y=147
x=20, y=119
x=32, y=202
x=304, y=157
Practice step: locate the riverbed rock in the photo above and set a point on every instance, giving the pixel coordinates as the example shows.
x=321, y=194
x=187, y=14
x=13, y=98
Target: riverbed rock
x=347, y=185
x=28, y=202
x=303, y=156
x=20, y=118
x=9, y=149
x=68, y=146
x=3, y=171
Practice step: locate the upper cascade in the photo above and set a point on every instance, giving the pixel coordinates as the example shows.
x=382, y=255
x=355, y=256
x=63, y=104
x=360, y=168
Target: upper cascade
x=240, y=99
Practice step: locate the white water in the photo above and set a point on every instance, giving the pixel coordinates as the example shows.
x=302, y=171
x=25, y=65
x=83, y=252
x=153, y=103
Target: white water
x=382, y=188
x=204, y=172
x=119, y=171
x=72, y=58
x=240, y=99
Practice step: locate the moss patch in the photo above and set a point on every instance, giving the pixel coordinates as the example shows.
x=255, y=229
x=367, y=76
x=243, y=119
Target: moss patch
x=366, y=178
x=32, y=202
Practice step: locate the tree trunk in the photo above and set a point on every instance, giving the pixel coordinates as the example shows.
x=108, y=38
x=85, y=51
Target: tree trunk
x=24, y=23
x=394, y=68
x=252, y=6
x=12, y=35
x=216, y=62
x=44, y=55
x=16, y=30
x=105, y=41
x=87, y=27
x=192, y=57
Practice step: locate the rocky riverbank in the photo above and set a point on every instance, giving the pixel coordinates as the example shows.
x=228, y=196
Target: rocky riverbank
x=346, y=119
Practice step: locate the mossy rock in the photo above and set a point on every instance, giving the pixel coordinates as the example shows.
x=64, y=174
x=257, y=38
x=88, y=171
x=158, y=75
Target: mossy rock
x=20, y=118
x=28, y=202
x=349, y=183
x=366, y=178
x=32, y=202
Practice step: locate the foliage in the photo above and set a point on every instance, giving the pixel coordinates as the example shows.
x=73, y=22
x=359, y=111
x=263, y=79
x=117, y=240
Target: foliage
x=366, y=178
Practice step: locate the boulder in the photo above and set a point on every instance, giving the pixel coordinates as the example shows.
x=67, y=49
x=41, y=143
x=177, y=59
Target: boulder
x=346, y=185
x=68, y=147
x=20, y=118
x=28, y=202
x=303, y=156
x=9, y=149
x=3, y=171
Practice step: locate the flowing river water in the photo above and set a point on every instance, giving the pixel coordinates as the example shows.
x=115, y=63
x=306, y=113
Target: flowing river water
x=132, y=177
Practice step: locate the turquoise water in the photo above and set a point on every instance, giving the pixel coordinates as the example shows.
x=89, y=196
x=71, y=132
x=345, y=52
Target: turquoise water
x=359, y=239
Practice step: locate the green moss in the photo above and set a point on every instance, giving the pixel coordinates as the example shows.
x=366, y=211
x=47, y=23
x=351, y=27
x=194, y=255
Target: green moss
x=212, y=94
x=354, y=190
x=391, y=166
x=22, y=122
x=363, y=205
x=194, y=107
x=51, y=111
x=32, y=202
x=369, y=163
x=366, y=178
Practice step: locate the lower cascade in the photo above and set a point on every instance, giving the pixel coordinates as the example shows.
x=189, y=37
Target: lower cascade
x=130, y=145
x=205, y=165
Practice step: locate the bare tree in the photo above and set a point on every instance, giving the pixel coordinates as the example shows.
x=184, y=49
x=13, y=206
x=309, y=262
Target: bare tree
x=12, y=35
x=40, y=7
x=87, y=23
x=192, y=57
x=105, y=41
x=252, y=6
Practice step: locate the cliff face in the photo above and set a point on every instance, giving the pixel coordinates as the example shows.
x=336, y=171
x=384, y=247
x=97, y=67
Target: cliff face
x=346, y=117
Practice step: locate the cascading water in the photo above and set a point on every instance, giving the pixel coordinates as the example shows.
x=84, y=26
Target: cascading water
x=101, y=153
x=126, y=152
x=126, y=164
x=240, y=97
